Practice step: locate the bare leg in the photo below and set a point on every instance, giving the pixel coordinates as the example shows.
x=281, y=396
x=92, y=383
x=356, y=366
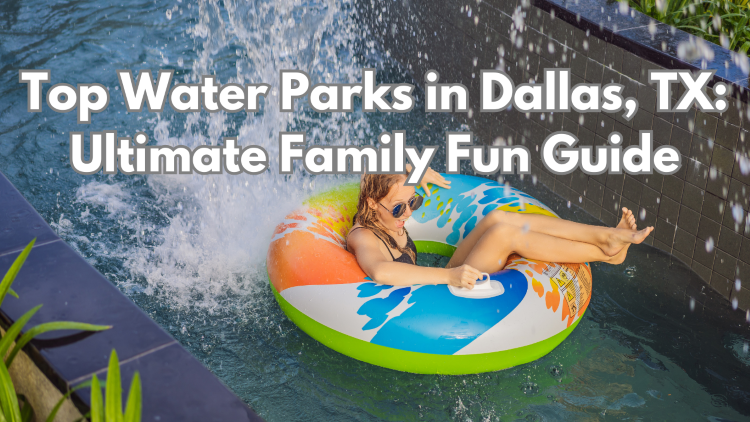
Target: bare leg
x=609, y=240
x=498, y=242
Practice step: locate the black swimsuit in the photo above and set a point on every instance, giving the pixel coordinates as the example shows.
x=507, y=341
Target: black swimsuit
x=404, y=258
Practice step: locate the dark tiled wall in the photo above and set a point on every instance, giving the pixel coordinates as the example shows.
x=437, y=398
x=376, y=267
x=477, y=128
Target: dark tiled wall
x=690, y=209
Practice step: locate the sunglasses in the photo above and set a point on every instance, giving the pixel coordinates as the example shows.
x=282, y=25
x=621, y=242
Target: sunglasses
x=398, y=210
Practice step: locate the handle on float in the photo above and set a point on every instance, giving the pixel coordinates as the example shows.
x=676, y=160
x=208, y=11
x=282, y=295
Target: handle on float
x=484, y=283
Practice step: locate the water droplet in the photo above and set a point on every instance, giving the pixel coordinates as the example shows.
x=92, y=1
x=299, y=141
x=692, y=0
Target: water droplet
x=642, y=214
x=692, y=304
x=169, y=14
x=737, y=213
x=737, y=284
x=734, y=303
x=710, y=244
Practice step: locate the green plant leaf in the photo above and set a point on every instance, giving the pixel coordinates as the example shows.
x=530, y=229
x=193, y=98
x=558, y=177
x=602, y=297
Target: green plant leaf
x=133, y=407
x=14, y=330
x=8, y=399
x=113, y=403
x=10, y=276
x=27, y=413
x=51, y=326
x=97, y=404
x=53, y=413
x=13, y=293
x=745, y=47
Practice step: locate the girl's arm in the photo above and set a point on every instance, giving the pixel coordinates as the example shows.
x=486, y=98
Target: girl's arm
x=366, y=247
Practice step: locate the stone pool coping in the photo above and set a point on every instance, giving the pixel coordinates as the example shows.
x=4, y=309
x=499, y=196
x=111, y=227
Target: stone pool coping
x=633, y=33
x=175, y=385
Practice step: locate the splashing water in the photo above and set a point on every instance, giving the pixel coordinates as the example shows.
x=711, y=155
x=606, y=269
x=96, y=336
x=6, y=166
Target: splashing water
x=218, y=226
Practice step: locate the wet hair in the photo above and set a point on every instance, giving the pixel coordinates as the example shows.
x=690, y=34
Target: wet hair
x=377, y=187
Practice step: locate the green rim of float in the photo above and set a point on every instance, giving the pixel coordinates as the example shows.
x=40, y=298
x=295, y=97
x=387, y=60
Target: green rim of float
x=419, y=363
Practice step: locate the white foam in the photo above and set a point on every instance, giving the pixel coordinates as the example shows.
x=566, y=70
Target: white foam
x=215, y=242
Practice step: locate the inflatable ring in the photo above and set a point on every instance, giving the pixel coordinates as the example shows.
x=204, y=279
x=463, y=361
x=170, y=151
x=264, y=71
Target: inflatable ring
x=524, y=312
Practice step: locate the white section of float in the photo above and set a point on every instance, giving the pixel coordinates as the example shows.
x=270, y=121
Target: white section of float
x=529, y=323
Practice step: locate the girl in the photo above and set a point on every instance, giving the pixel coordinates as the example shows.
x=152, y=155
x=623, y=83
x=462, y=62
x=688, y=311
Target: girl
x=387, y=254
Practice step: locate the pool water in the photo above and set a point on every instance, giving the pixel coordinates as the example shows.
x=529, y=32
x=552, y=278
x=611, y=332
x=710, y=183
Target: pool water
x=654, y=344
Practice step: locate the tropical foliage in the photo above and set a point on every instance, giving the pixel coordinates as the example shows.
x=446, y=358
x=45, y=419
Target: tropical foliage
x=16, y=408
x=723, y=22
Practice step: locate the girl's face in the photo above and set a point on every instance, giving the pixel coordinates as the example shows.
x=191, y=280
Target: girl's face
x=399, y=194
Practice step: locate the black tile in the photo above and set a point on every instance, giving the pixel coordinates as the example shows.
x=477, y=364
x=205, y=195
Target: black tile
x=685, y=120
x=727, y=134
x=608, y=219
x=692, y=196
x=725, y=264
x=739, y=193
x=719, y=185
x=723, y=159
x=597, y=49
x=669, y=210
x=695, y=173
x=730, y=242
x=176, y=387
x=702, y=255
x=662, y=131
x=734, y=217
x=615, y=182
x=610, y=76
x=19, y=221
x=655, y=181
x=631, y=66
x=647, y=98
x=743, y=273
x=595, y=192
x=684, y=242
x=708, y=229
x=664, y=231
x=613, y=57
x=681, y=139
x=650, y=200
x=689, y=220
x=592, y=208
x=722, y=284
x=663, y=246
x=701, y=150
x=713, y=207
x=643, y=120
x=625, y=131
x=673, y=188
x=703, y=272
x=632, y=189
x=611, y=202
x=605, y=125
x=71, y=290
x=594, y=71
x=631, y=87
x=745, y=250
x=681, y=257
x=742, y=297
x=705, y=125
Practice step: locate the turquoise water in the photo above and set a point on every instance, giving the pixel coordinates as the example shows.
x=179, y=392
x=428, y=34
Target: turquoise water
x=190, y=250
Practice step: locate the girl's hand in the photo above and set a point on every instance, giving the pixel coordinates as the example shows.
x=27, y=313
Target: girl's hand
x=464, y=276
x=431, y=176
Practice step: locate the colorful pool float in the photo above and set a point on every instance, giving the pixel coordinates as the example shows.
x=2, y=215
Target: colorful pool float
x=429, y=329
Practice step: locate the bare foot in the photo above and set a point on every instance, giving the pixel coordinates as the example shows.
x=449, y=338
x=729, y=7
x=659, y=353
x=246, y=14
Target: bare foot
x=624, y=235
x=627, y=221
